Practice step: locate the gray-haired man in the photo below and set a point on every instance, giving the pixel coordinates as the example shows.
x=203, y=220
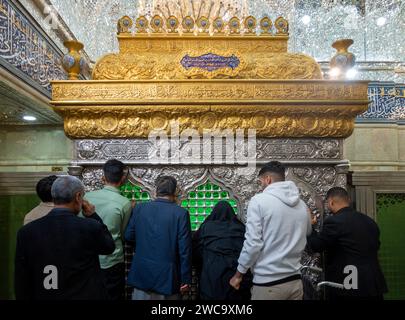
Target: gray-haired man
x=57, y=255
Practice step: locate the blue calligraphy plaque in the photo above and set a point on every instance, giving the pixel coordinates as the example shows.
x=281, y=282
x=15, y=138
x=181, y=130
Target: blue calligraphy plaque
x=387, y=102
x=210, y=62
x=23, y=46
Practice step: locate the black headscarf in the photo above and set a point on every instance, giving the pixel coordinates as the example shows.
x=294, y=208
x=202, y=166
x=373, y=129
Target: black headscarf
x=222, y=212
x=216, y=249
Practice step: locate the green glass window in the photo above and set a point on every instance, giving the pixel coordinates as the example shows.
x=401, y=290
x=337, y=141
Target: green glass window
x=201, y=201
x=134, y=192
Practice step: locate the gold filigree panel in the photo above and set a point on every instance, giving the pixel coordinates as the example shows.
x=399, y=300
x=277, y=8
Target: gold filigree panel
x=155, y=66
x=281, y=66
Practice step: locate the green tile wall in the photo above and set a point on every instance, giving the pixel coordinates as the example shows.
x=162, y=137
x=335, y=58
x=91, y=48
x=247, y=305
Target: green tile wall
x=391, y=220
x=12, y=212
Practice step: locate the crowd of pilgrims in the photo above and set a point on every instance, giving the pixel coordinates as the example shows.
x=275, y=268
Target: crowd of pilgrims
x=72, y=244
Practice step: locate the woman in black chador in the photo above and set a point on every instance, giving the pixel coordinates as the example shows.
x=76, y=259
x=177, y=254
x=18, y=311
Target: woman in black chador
x=217, y=245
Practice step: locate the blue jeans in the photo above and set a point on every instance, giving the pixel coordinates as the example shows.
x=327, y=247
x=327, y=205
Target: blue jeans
x=143, y=295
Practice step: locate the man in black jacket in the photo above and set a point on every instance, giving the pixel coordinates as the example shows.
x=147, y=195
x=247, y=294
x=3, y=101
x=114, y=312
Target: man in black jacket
x=351, y=242
x=57, y=255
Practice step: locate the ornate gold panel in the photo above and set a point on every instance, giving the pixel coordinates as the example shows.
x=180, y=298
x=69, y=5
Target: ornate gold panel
x=124, y=109
x=83, y=124
x=208, y=82
x=142, y=57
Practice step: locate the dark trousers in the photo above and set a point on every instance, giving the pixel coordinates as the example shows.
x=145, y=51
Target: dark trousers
x=114, y=280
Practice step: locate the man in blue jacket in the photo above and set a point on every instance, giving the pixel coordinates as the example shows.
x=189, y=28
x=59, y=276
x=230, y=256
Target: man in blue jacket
x=160, y=229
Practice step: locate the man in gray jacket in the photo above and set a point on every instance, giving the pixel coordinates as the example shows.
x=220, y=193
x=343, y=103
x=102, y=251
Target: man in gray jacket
x=277, y=226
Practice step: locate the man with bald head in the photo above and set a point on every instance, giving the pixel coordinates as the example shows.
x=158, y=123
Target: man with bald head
x=350, y=240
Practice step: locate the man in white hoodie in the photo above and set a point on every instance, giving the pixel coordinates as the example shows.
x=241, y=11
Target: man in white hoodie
x=277, y=226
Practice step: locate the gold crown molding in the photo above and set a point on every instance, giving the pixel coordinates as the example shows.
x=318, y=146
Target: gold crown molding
x=211, y=23
x=235, y=103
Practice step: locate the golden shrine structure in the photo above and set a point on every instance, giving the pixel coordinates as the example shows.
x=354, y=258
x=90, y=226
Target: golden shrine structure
x=208, y=76
x=204, y=81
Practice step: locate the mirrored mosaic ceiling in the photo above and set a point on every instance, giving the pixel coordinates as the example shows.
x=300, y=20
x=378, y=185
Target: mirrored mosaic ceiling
x=387, y=97
x=377, y=26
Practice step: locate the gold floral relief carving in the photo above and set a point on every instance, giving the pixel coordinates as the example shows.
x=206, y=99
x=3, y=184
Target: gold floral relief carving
x=154, y=66
x=282, y=66
x=120, y=126
x=278, y=121
x=159, y=57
